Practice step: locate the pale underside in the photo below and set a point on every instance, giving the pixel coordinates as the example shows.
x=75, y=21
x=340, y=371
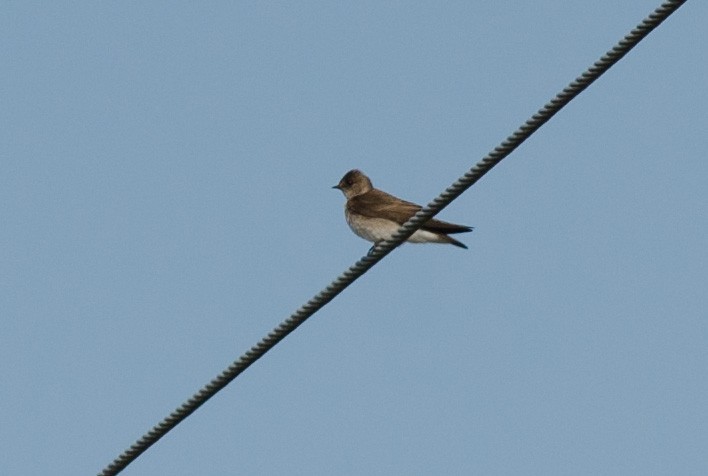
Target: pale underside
x=377, y=229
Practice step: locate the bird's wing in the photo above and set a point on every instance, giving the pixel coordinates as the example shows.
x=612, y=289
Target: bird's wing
x=378, y=204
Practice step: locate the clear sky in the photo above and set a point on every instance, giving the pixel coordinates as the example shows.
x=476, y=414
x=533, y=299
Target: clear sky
x=165, y=174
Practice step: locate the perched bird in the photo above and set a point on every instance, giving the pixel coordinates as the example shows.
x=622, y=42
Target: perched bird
x=375, y=215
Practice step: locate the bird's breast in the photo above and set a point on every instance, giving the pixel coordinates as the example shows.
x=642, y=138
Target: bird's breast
x=371, y=229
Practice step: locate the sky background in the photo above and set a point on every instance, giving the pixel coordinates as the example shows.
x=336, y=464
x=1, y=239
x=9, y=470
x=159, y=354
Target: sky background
x=165, y=201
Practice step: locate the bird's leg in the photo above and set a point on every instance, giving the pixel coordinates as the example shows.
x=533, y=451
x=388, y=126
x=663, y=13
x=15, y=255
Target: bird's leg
x=373, y=247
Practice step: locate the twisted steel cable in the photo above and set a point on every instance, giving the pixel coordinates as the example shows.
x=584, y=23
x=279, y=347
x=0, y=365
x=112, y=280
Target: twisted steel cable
x=381, y=250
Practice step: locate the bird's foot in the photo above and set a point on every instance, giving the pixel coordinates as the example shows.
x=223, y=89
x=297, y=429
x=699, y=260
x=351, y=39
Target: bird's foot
x=373, y=247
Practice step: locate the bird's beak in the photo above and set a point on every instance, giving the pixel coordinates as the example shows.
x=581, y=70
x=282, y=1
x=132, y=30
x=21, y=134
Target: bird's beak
x=337, y=187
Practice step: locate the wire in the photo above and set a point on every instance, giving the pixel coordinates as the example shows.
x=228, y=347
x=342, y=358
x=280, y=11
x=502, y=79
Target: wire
x=381, y=250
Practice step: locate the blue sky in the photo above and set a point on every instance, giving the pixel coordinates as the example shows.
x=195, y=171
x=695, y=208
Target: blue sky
x=166, y=201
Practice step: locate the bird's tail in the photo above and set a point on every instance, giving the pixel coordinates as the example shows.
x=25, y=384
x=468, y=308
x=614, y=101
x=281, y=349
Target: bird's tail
x=452, y=241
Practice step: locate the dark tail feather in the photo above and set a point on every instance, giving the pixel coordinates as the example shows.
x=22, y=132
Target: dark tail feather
x=453, y=241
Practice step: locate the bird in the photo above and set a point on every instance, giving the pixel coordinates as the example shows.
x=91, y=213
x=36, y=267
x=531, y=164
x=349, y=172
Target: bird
x=375, y=215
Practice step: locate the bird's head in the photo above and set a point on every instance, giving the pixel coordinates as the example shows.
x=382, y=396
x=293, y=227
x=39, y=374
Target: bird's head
x=354, y=183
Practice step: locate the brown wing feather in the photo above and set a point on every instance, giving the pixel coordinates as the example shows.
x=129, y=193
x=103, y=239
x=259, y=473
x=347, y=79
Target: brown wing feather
x=378, y=204
x=446, y=228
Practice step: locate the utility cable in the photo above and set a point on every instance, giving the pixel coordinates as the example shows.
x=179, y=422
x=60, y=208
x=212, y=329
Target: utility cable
x=381, y=250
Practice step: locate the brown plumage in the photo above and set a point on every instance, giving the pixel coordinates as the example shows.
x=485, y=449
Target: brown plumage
x=375, y=215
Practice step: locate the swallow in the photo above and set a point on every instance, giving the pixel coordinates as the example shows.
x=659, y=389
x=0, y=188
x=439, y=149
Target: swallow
x=375, y=215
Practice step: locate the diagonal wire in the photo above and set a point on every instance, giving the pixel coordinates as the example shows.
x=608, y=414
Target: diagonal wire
x=381, y=250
